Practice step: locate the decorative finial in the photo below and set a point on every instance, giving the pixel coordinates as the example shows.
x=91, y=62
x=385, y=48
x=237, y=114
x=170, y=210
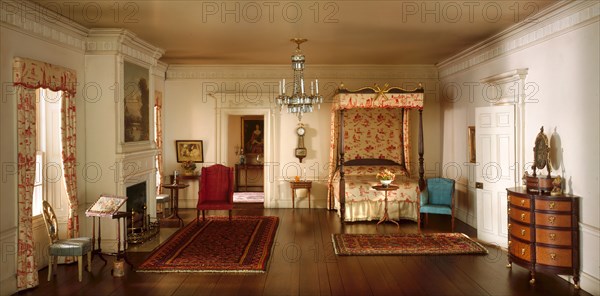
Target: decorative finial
x=298, y=41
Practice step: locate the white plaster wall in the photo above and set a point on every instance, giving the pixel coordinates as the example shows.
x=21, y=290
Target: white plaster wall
x=562, y=95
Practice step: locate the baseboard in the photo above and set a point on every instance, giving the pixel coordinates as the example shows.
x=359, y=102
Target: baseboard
x=590, y=284
x=466, y=217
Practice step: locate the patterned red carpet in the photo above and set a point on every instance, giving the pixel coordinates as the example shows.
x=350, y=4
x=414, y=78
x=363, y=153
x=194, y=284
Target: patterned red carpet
x=406, y=244
x=216, y=245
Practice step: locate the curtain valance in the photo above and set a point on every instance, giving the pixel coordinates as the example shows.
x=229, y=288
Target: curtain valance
x=35, y=74
x=375, y=97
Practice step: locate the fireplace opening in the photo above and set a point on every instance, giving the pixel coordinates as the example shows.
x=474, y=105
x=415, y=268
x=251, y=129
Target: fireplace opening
x=139, y=226
x=136, y=197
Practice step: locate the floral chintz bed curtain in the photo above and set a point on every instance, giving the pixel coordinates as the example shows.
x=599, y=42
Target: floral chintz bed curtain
x=376, y=125
x=28, y=76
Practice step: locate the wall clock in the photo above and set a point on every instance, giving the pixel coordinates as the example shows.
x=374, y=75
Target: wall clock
x=300, y=151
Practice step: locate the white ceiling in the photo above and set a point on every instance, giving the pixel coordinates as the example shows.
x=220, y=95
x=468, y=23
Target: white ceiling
x=339, y=32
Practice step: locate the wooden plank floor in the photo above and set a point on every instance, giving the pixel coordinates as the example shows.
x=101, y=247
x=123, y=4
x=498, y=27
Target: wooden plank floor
x=303, y=263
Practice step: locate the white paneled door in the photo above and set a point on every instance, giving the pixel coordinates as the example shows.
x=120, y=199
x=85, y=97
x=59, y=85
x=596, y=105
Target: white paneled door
x=495, y=154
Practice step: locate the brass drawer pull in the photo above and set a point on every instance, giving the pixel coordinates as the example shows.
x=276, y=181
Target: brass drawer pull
x=552, y=236
x=523, y=251
x=553, y=256
x=552, y=205
x=509, y=243
x=523, y=217
x=509, y=212
x=522, y=231
x=551, y=219
x=522, y=202
x=509, y=226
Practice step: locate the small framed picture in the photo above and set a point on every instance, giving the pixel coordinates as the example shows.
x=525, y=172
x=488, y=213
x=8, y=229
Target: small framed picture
x=189, y=150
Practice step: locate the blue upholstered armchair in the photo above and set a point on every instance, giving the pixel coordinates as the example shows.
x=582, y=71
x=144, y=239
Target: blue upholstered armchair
x=438, y=198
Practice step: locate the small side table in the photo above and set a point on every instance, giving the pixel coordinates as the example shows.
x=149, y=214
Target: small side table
x=123, y=216
x=175, y=199
x=300, y=185
x=386, y=216
x=120, y=254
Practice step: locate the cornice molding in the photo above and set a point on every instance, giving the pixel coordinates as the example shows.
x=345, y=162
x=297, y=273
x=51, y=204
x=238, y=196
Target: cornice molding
x=161, y=67
x=560, y=18
x=113, y=40
x=37, y=21
x=180, y=72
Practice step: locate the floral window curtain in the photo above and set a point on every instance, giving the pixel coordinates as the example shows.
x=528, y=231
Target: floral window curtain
x=69, y=147
x=159, y=139
x=28, y=75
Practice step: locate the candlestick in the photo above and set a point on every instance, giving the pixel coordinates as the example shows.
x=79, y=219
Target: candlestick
x=283, y=85
x=317, y=85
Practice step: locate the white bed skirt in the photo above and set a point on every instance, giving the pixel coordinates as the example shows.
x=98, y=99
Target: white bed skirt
x=373, y=210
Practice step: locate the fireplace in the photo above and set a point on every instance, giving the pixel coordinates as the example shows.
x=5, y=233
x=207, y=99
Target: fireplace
x=136, y=197
x=139, y=227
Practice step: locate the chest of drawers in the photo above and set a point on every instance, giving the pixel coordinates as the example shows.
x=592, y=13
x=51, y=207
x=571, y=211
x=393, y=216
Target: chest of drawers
x=543, y=232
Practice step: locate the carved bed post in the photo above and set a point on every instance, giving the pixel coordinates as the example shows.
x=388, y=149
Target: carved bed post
x=421, y=152
x=341, y=163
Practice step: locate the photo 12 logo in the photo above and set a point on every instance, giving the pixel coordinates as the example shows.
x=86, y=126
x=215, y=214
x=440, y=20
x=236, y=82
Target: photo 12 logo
x=90, y=12
x=466, y=11
x=269, y=11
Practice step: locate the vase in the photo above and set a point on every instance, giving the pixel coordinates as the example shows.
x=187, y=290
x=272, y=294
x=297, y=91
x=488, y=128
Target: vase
x=189, y=172
x=385, y=183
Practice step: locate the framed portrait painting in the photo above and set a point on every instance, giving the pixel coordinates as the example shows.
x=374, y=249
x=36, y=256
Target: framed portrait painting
x=189, y=150
x=137, y=103
x=253, y=128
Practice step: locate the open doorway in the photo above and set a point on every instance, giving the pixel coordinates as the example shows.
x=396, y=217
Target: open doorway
x=247, y=137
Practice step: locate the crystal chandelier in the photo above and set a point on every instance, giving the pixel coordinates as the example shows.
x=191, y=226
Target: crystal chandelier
x=299, y=102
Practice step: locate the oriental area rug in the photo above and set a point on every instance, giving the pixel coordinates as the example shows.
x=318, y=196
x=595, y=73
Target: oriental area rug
x=216, y=245
x=406, y=244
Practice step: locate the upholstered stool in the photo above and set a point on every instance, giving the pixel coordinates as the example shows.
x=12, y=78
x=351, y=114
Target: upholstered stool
x=162, y=200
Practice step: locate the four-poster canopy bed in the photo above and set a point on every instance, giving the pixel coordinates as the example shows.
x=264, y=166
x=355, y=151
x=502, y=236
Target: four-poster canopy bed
x=375, y=135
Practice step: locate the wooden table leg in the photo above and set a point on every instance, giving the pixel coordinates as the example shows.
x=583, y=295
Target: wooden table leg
x=124, y=253
x=99, y=250
x=293, y=198
x=386, y=216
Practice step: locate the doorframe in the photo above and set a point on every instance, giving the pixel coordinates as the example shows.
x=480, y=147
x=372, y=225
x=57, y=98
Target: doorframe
x=509, y=88
x=230, y=104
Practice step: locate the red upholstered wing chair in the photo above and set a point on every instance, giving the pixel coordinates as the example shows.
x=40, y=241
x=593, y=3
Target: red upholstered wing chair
x=216, y=189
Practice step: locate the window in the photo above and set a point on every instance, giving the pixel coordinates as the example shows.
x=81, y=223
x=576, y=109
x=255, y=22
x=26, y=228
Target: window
x=38, y=184
x=48, y=168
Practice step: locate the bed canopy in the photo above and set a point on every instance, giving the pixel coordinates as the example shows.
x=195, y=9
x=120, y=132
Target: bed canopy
x=374, y=124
